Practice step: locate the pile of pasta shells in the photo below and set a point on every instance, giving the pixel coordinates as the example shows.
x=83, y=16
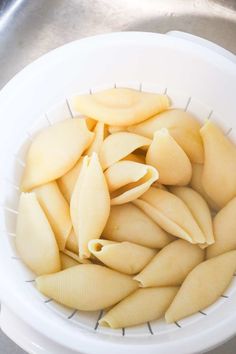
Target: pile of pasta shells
x=129, y=208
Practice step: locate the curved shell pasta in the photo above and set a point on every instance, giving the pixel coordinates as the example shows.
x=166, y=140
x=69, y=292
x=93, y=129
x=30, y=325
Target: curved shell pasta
x=200, y=289
x=171, y=213
x=34, y=237
x=199, y=210
x=117, y=146
x=115, y=129
x=54, y=151
x=135, y=158
x=196, y=184
x=76, y=257
x=128, y=223
x=71, y=243
x=125, y=257
x=87, y=287
x=120, y=106
x=183, y=127
x=164, y=153
x=171, y=265
x=142, y=306
x=57, y=211
x=99, y=132
x=128, y=180
x=66, y=261
x=224, y=226
x=67, y=182
x=219, y=171
x=90, y=123
x=90, y=204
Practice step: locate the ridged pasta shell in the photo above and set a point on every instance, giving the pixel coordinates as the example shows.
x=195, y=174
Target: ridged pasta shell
x=224, y=226
x=120, y=106
x=135, y=158
x=199, y=210
x=54, y=151
x=90, y=204
x=128, y=180
x=99, y=132
x=183, y=127
x=117, y=146
x=72, y=243
x=164, y=153
x=67, y=182
x=142, y=306
x=57, y=211
x=35, y=240
x=66, y=261
x=203, y=286
x=171, y=265
x=219, y=171
x=76, y=257
x=87, y=287
x=171, y=213
x=125, y=257
x=128, y=223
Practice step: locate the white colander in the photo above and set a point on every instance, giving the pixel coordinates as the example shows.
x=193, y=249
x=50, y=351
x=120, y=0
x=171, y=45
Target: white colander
x=199, y=79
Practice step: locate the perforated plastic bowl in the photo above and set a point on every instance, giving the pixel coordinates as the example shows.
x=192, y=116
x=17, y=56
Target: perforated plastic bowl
x=199, y=79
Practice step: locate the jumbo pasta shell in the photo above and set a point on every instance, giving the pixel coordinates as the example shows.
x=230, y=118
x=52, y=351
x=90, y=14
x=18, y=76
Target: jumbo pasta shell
x=67, y=182
x=99, y=132
x=72, y=243
x=66, y=261
x=54, y=151
x=35, y=240
x=87, y=287
x=120, y=106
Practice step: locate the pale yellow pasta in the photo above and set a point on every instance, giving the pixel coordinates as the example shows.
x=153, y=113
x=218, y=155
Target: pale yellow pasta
x=128, y=180
x=135, y=158
x=90, y=204
x=159, y=185
x=112, y=129
x=224, y=226
x=196, y=184
x=171, y=213
x=183, y=127
x=219, y=171
x=99, y=132
x=166, y=155
x=66, y=261
x=54, y=151
x=117, y=146
x=120, y=106
x=203, y=286
x=171, y=265
x=199, y=210
x=90, y=123
x=142, y=306
x=125, y=257
x=76, y=257
x=72, y=243
x=87, y=287
x=67, y=182
x=57, y=211
x=128, y=223
x=35, y=241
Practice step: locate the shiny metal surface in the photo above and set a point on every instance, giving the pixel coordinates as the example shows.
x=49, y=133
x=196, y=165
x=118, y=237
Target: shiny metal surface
x=30, y=28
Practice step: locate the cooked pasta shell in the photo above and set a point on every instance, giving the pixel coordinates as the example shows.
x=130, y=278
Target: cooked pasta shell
x=196, y=184
x=117, y=146
x=67, y=182
x=128, y=180
x=125, y=257
x=128, y=223
x=66, y=261
x=99, y=132
x=115, y=129
x=224, y=226
x=171, y=213
x=159, y=185
x=219, y=171
x=72, y=243
x=183, y=127
x=120, y=106
x=171, y=265
x=142, y=306
x=35, y=240
x=203, y=286
x=135, y=158
x=199, y=209
x=54, y=151
x=87, y=287
x=90, y=123
x=57, y=211
x=90, y=204
x=76, y=257
x=164, y=153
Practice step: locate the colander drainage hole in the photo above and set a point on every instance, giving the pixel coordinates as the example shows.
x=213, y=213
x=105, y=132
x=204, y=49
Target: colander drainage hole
x=47, y=301
x=150, y=328
x=69, y=109
x=72, y=315
x=177, y=324
x=225, y=296
x=203, y=313
x=99, y=317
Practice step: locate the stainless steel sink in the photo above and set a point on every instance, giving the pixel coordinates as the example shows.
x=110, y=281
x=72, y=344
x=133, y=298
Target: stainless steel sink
x=29, y=29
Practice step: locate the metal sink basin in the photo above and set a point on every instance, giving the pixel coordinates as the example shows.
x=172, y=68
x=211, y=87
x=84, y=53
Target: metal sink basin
x=29, y=29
